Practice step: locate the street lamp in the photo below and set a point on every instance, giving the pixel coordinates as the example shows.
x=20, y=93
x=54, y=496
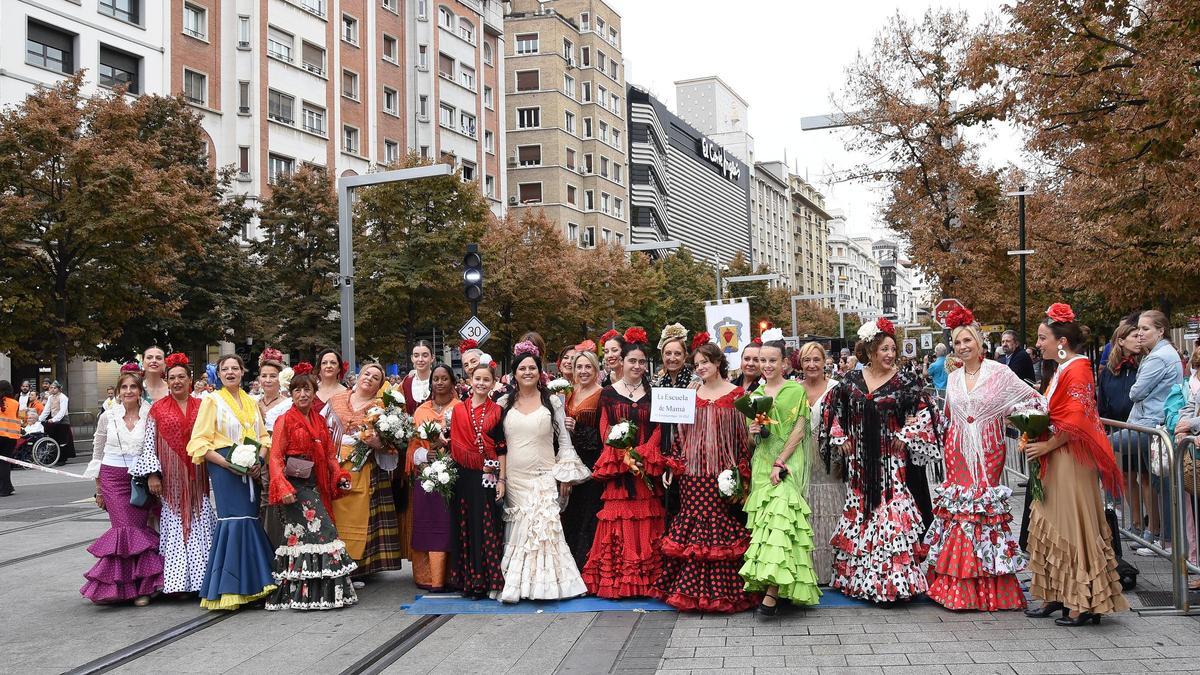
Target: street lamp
x=1021, y=252
x=346, y=236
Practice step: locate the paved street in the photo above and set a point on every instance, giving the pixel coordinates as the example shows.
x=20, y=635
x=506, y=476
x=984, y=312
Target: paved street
x=48, y=628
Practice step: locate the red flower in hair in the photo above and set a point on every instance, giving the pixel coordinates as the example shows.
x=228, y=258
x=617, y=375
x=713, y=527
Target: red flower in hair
x=702, y=338
x=959, y=316
x=131, y=367
x=1061, y=312
x=270, y=354
x=302, y=368
x=757, y=342
x=467, y=344
x=177, y=359
x=586, y=346
x=886, y=326
x=637, y=335
x=610, y=334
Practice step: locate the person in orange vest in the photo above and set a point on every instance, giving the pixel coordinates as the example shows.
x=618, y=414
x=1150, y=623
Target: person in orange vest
x=10, y=431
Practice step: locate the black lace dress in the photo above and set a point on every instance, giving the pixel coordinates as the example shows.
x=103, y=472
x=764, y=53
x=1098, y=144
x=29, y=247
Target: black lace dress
x=579, y=518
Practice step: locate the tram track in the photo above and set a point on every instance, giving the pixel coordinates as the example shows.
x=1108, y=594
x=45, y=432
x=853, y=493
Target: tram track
x=383, y=656
x=51, y=521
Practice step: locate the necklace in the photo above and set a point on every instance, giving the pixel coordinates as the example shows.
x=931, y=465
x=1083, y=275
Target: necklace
x=969, y=373
x=630, y=390
x=268, y=404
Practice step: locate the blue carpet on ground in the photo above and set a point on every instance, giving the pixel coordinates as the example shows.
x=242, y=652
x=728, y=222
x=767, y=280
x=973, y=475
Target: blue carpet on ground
x=454, y=604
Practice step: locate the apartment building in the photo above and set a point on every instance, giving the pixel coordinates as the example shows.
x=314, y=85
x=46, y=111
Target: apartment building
x=853, y=269
x=719, y=112
x=772, y=242
x=566, y=117
x=810, y=234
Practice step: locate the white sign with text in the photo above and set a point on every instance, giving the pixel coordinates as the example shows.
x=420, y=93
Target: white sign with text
x=673, y=406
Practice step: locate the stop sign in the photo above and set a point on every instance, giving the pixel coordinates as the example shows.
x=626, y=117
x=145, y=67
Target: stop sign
x=943, y=308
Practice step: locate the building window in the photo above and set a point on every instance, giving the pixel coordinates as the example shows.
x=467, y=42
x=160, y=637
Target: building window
x=195, y=21
x=529, y=155
x=604, y=199
x=585, y=91
x=489, y=186
x=315, y=7
x=391, y=101
x=615, y=103
x=350, y=29
x=528, y=80
x=445, y=18
x=530, y=193
x=422, y=9
x=125, y=10
x=389, y=5
x=569, y=51
x=589, y=200
x=278, y=167
x=466, y=30
x=587, y=127
x=244, y=159
x=604, y=166
x=313, y=119
x=572, y=195
x=617, y=172
x=569, y=85
x=529, y=118
x=390, y=49
x=616, y=137
x=571, y=159
x=119, y=69
x=279, y=45
x=422, y=57
x=569, y=122
x=487, y=97
x=601, y=61
x=585, y=56
x=446, y=66
x=587, y=163
x=589, y=237
x=46, y=47
x=243, y=98
x=350, y=139
x=195, y=87
x=585, y=22
x=466, y=77
x=599, y=26
x=606, y=235
x=603, y=131
x=612, y=69
x=468, y=171
x=612, y=36
x=423, y=107
x=446, y=116
x=313, y=58
x=280, y=106
x=489, y=142
x=619, y=212
x=350, y=84
x=573, y=233
x=487, y=53
x=425, y=152
x=527, y=43
x=466, y=124
x=391, y=151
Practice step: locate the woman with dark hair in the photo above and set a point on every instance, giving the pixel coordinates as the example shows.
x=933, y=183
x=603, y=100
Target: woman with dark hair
x=1117, y=378
x=583, y=423
x=416, y=385
x=566, y=363
x=625, y=559
x=311, y=565
x=541, y=466
x=887, y=427
x=239, y=563
x=779, y=558
x=432, y=532
x=477, y=445
x=10, y=431
x=612, y=345
x=186, y=519
x=703, y=548
x=1070, y=555
x=331, y=370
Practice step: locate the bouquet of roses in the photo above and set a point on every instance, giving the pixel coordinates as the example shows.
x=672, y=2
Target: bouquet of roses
x=729, y=484
x=439, y=476
x=757, y=408
x=560, y=386
x=623, y=436
x=244, y=456
x=1032, y=423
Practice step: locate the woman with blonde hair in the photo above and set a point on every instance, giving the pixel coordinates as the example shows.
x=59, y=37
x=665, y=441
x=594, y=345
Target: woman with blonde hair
x=583, y=423
x=826, y=491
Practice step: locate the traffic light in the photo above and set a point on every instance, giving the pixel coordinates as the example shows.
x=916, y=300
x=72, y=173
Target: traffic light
x=473, y=277
x=763, y=325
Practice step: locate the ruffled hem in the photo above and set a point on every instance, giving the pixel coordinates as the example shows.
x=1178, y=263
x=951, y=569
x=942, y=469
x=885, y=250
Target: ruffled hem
x=879, y=561
x=106, y=592
x=611, y=464
x=233, y=601
x=537, y=564
x=973, y=524
x=1058, y=574
x=781, y=543
x=630, y=509
x=332, y=594
x=315, y=566
x=610, y=574
x=570, y=471
x=674, y=549
x=337, y=604
x=690, y=603
x=983, y=594
x=124, y=542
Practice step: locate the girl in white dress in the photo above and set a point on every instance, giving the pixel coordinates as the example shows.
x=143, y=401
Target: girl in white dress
x=542, y=465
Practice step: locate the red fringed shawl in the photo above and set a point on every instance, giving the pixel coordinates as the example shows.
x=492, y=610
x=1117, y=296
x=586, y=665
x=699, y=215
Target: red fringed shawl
x=475, y=434
x=1073, y=412
x=184, y=484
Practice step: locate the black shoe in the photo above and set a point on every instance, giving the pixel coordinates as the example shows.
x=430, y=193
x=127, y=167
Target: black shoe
x=769, y=610
x=7, y=494
x=1083, y=619
x=1046, y=610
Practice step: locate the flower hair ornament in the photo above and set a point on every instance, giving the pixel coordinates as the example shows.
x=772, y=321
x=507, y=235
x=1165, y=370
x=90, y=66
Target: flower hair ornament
x=869, y=330
x=526, y=347
x=959, y=316
x=757, y=342
x=636, y=335
x=467, y=345
x=270, y=354
x=608, y=335
x=586, y=346
x=131, y=367
x=674, y=331
x=485, y=359
x=772, y=335
x=176, y=359
x=1060, y=312
x=702, y=338
x=302, y=368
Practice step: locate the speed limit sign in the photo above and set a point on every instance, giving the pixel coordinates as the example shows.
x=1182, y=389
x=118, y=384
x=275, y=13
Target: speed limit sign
x=474, y=329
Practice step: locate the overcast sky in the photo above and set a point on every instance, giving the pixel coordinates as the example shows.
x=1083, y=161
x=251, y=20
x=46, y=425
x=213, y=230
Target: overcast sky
x=785, y=58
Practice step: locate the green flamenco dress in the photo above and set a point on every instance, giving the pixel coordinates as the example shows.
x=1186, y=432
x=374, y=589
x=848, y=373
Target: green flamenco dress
x=781, y=539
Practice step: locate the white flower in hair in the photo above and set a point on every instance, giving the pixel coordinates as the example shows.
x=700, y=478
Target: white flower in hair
x=485, y=359
x=868, y=331
x=772, y=334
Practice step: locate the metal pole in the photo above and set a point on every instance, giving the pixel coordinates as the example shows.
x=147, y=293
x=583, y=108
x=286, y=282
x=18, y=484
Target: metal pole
x=346, y=271
x=717, y=259
x=1021, y=246
x=795, y=324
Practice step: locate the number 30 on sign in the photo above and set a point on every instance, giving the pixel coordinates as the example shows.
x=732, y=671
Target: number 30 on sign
x=474, y=329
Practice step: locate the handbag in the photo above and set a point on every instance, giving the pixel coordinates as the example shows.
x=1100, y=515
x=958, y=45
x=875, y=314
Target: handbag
x=1160, y=456
x=1189, y=473
x=139, y=494
x=297, y=468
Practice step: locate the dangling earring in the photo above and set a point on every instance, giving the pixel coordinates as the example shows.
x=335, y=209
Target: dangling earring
x=1062, y=353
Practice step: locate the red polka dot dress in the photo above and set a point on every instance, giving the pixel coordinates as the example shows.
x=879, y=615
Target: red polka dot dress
x=973, y=552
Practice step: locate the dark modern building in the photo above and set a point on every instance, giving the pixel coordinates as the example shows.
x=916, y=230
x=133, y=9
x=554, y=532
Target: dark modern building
x=682, y=185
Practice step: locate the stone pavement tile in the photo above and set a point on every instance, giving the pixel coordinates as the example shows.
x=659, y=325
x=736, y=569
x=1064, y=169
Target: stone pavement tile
x=786, y=671
x=1096, y=641
x=722, y=671
x=877, y=660
x=304, y=650
x=727, y=631
x=1053, y=668
x=1028, y=645
x=851, y=670
x=1075, y=655
x=940, y=658
x=755, y=661
x=702, y=652
x=835, y=629
x=962, y=646
x=916, y=670
x=634, y=671
x=1176, y=651
x=869, y=639
x=634, y=663
x=983, y=633
x=685, y=631
x=1140, y=641
x=809, y=640
x=926, y=636
x=1170, y=665
x=755, y=640
x=1015, y=656
x=679, y=652
x=980, y=669
x=696, y=642
x=902, y=648
x=714, y=662
x=781, y=650
x=817, y=660
x=841, y=649
x=556, y=641
x=776, y=629
x=1116, y=667
x=1117, y=653
x=908, y=627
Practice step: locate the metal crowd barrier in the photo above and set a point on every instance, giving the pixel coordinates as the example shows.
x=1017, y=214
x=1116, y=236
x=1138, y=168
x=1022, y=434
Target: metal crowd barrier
x=1132, y=444
x=83, y=428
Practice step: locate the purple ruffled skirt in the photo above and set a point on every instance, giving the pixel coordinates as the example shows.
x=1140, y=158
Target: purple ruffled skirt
x=129, y=563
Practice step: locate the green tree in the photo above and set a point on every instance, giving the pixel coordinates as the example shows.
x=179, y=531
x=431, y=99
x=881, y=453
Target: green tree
x=409, y=239
x=687, y=283
x=297, y=254
x=101, y=202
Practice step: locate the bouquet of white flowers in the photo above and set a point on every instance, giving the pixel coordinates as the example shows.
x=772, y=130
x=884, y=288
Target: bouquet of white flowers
x=244, y=456
x=439, y=476
x=1032, y=423
x=623, y=436
x=729, y=484
x=429, y=431
x=560, y=386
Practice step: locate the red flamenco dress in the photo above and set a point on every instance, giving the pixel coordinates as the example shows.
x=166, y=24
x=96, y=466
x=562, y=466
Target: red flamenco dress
x=476, y=444
x=625, y=559
x=703, y=550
